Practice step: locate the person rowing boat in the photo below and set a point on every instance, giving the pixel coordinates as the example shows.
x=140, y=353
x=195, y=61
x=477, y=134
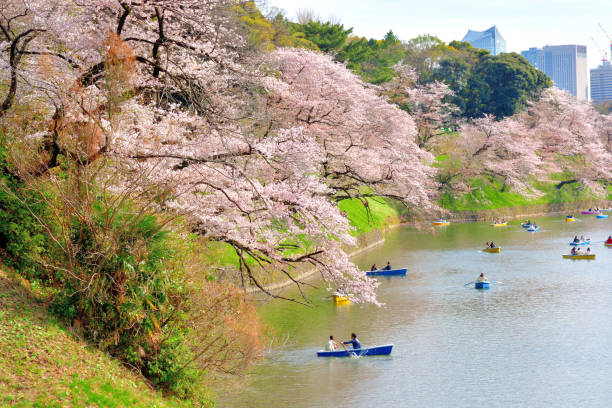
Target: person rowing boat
x=482, y=278
x=353, y=342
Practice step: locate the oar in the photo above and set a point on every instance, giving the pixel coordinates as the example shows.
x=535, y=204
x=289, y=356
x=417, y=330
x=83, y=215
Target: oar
x=350, y=353
x=469, y=283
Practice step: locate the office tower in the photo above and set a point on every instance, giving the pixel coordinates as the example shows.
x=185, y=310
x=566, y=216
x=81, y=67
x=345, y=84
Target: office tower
x=490, y=40
x=601, y=83
x=566, y=65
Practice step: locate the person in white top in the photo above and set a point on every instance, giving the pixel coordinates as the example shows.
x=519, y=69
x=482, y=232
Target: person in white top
x=482, y=278
x=331, y=344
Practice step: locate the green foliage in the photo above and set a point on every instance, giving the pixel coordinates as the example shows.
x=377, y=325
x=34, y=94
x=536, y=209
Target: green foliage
x=501, y=85
x=373, y=59
x=43, y=365
x=22, y=240
x=327, y=36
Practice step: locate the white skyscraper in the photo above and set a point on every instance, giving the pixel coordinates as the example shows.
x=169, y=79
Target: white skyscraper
x=566, y=65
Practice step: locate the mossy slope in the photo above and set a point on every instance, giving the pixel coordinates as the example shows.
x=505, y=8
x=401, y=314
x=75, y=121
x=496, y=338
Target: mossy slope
x=43, y=365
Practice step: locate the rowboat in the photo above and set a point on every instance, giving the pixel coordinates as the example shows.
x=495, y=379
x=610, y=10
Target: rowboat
x=440, y=223
x=587, y=242
x=589, y=212
x=533, y=228
x=501, y=224
x=601, y=216
x=570, y=219
x=366, y=351
x=495, y=250
x=341, y=299
x=589, y=256
x=387, y=272
x=482, y=285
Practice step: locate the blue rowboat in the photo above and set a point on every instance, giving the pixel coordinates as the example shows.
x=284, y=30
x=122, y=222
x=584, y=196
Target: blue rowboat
x=385, y=272
x=482, y=285
x=533, y=229
x=587, y=242
x=366, y=351
x=601, y=216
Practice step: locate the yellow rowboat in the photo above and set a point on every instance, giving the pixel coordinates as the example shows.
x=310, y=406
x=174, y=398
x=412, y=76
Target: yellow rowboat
x=440, y=223
x=341, y=299
x=495, y=250
x=569, y=219
x=502, y=224
x=590, y=256
x=610, y=245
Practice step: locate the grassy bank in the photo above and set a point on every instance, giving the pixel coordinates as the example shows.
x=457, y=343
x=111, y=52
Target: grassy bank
x=487, y=194
x=43, y=365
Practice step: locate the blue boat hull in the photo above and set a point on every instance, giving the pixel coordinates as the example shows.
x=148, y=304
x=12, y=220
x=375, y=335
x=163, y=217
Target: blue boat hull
x=533, y=229
x=366, y=351
x=382, y=272
x=602, y=216
x=580, y=243
x=482, y=285
x=525, y=225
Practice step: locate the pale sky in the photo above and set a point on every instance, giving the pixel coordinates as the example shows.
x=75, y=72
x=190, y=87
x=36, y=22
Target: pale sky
x=522, y=23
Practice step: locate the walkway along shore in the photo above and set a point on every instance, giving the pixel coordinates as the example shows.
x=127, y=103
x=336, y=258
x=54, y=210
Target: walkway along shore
x=377, y=237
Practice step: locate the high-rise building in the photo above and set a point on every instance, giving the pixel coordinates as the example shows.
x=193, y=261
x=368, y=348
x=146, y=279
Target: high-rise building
x=601, y=82
x=490, y=40
x=566, y=65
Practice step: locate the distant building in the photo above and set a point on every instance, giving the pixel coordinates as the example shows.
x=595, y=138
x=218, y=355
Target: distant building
x=490, y=40
x=566, y=65
x=601, y=83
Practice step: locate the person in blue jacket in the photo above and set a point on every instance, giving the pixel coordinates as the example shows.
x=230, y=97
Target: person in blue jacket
x=388, y=267
x=354, y=342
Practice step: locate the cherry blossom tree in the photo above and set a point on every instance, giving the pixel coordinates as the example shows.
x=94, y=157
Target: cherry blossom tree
x=429, y=104
x=574, y=138
x=368, y=144
x=194, y=119
x=501, y=149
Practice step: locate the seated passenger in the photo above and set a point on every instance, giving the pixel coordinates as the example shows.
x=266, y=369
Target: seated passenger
x=388, y=267
x=573, y=251
x=482, y=278
x=576, y=239
x=331, y=344
x=374, y=268
x=492, y=244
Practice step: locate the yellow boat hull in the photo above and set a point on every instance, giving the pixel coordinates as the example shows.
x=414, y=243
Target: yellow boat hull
x=503, y=224
x=492, y=250
x=341, y=300
x=570, y=219
x=439, y=224
x=591, y=256
x=610, y=245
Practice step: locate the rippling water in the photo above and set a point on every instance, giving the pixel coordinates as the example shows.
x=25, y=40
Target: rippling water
x=541, y=338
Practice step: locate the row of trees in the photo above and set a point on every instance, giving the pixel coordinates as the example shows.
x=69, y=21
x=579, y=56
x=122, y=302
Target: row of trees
x=482, y=83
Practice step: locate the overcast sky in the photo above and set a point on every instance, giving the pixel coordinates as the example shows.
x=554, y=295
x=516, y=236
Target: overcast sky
x=522, y=23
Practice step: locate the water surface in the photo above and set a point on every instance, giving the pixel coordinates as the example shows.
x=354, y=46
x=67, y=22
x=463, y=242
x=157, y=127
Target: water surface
x=541, y=338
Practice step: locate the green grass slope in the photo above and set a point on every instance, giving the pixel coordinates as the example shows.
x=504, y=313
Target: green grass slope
x=381, y=214
x=486, y=194
x=43, y=365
